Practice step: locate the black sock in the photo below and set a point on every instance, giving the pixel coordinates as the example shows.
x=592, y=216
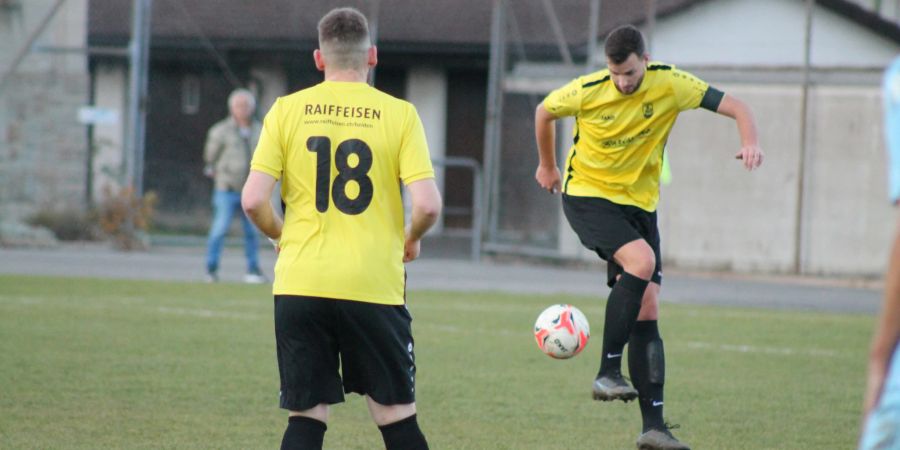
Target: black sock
x=403, y=435
x=622, y=309
x=303, y=433
x=647, y=366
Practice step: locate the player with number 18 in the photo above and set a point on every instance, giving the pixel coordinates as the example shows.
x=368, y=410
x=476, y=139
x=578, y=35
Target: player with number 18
x=341, y=150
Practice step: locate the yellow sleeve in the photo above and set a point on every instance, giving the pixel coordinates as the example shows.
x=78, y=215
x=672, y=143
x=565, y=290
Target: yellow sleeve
x=415, y=159
x=269, y=154
x=565, y=101
x=688, y=89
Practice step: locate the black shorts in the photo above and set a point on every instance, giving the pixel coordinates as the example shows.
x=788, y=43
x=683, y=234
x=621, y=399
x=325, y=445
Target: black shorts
x=604, y=227
x=371, y=344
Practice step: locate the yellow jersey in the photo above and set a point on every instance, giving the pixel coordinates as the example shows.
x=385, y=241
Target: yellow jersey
x=341, y=150
x=619, y=139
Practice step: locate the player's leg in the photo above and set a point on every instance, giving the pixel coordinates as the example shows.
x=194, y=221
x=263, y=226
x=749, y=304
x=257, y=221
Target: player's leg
x=398, y=425
x=306, y=429
x=646, y=357
x=647, y=367
x=217, y=231
x=307, y=351
x=607, y=228
x=379, y=363
x=646, y=361
x=637, y=262
x=387, y=414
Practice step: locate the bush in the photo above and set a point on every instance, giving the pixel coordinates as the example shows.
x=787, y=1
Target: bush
x=126, y=218
x=66, y=224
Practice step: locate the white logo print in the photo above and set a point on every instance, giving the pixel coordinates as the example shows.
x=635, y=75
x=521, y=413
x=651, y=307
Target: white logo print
x=656, y=403
x=610, y=355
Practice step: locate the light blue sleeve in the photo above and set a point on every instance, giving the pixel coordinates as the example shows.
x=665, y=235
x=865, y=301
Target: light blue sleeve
x=891, y=94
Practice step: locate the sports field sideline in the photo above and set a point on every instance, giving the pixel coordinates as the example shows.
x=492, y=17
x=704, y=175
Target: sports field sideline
x=185, y=263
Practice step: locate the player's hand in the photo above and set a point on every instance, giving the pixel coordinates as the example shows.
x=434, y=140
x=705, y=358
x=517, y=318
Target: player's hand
x=276, y=244
x=751, y=155
x=548, y=178
x=209, y=171
x=411, y=250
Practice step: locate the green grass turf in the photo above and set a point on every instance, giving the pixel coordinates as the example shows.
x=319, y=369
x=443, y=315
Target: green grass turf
x=127, y=364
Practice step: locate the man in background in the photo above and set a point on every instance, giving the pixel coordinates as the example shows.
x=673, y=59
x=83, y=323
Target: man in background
x=229, y=147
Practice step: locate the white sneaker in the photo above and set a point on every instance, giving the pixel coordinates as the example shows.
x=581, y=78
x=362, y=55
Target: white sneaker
x=254, y=278
x=212, y=277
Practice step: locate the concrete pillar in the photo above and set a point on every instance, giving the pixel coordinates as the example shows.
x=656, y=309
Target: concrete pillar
x=111, y=81
x=271, y=83
x=426, y=88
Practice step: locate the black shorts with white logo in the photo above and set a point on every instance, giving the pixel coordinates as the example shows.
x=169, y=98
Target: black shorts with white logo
x=604, y=227
x=329, y=347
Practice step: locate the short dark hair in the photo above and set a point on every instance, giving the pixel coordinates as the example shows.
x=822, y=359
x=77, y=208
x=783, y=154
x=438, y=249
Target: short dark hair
x=344, y=37
x=623, y=41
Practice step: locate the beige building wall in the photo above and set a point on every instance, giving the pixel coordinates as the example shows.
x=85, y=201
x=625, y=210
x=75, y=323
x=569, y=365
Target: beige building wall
x=850, y=219
x=717, y=216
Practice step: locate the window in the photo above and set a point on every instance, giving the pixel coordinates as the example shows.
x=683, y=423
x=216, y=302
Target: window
x=190, y=94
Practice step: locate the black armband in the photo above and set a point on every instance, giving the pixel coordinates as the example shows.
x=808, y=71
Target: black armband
x=711, y=99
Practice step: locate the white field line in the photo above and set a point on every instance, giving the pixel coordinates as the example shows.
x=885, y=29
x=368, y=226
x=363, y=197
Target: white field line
x=798, y=316
x=465, y=306
x=455, y=329
x=83, y=303
x=787, y=351
x=694, y=345
x=208, y=313
x=21, y=300
x=245, y=303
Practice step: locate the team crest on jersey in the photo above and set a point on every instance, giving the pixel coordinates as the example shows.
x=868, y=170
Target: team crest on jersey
x=648, y=110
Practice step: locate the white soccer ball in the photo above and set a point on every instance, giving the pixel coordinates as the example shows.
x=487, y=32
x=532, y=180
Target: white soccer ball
x=562, y=331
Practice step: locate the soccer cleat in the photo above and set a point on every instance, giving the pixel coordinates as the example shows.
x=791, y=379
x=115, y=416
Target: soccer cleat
x=212, y=277
x=660, y=440
x=613, y=387
x=254, y=278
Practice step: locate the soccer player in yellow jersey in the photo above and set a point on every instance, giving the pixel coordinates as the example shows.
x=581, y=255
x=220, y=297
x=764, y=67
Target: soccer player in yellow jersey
x=341, y=150
x=610, y=187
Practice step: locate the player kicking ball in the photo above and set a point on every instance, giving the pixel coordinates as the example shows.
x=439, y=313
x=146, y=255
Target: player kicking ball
x=623, y=115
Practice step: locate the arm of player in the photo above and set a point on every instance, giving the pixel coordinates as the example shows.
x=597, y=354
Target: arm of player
x=750, y=152
x=547, y=174
x=426, y=208
x=887, y=334
x=256, y=202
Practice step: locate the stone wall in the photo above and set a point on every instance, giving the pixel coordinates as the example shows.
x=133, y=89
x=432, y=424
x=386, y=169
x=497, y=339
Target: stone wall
x=43, y=152
x=43, y=147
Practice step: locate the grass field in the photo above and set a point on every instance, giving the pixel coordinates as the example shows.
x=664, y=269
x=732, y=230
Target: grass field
x=113, y=364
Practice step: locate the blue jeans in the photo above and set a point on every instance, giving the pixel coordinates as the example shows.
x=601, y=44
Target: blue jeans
x=882, y=429
x=225, y=205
